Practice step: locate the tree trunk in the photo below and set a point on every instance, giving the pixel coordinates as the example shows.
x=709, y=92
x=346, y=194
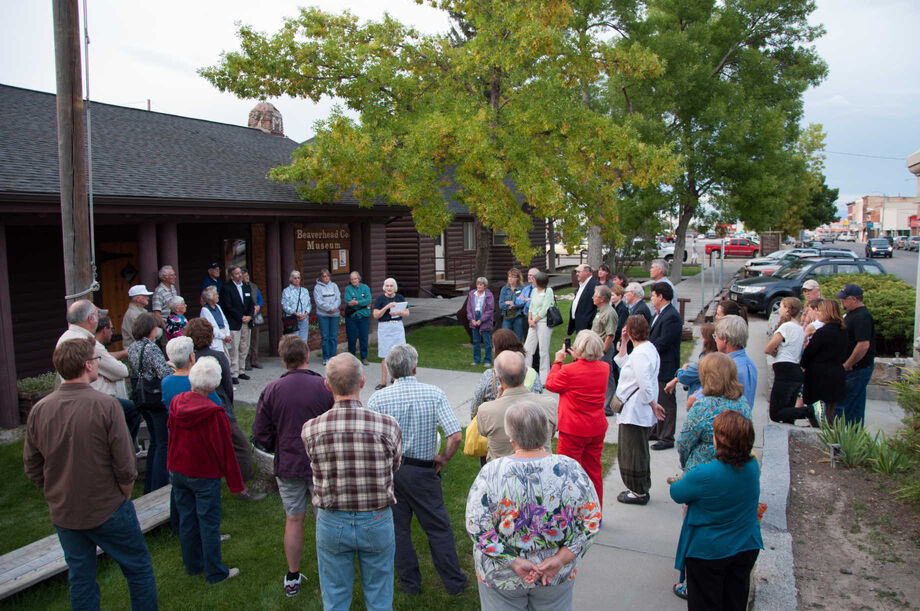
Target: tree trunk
x=551, y=242
x=687, y=210
x=594, y=246
x=483, y=243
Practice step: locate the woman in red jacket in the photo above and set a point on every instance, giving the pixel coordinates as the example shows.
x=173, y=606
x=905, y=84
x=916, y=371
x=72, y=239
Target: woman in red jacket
x=200, y=453
x=582, y=386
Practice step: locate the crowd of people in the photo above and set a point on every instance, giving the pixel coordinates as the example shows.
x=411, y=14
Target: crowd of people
x=365, y=472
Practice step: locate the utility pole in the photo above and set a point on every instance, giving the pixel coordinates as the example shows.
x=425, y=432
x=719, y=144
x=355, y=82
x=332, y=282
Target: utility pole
x=71, y=124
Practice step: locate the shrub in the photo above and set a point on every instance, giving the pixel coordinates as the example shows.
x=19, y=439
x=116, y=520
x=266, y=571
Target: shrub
x=907, y=441
x=891, y=302
x=38, y=383
x=856, y=445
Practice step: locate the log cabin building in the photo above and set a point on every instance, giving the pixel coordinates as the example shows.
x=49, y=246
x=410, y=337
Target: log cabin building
x=171, y=190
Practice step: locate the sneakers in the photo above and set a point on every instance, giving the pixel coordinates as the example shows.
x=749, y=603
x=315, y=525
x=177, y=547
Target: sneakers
x=292, y=586
x=224, y=537
x=251, y=495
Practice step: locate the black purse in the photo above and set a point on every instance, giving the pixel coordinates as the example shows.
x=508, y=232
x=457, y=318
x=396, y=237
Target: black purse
x=289, y=322
x=553, y=315
x=146, y=392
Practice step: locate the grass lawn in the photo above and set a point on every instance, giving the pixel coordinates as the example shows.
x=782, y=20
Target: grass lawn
x=255, y=547
x=637, y=271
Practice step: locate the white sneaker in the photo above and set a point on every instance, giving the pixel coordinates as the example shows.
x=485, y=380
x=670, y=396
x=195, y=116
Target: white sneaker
x=233, y=573
x=292, y=586
x=224, y=537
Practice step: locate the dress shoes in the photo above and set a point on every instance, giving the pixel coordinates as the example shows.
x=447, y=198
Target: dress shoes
x=663, y=445
x=243, y=376
x=630, y=498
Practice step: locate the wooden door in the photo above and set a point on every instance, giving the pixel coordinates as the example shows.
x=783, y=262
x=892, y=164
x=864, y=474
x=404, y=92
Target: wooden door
x=117, y=273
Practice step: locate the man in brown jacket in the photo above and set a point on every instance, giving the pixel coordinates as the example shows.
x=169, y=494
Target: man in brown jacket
x=78, y=450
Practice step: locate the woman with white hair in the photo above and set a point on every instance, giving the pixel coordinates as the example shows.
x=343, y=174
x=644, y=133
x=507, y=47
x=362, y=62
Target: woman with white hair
x=295, y=301
x=200, y=453
x=480, y=308
x=212, y=313
x=181, y=354
x=530, y=515
x=176, y=321
x=582, y=387
x=390, y=329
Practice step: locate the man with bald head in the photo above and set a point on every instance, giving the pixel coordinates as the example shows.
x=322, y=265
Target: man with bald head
x=490, y=418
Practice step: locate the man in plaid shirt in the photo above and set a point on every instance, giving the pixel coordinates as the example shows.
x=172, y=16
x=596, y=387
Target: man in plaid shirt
x=354, y=453
x=420, y=409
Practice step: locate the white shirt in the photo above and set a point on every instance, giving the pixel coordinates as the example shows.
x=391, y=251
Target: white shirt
x=239, y=288
x=790, y=349
x=638, y=370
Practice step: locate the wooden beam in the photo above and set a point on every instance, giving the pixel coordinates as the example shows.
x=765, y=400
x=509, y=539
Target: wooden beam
x=147, y=255
x=276, y=276
x=9, y=397
x=168, y=247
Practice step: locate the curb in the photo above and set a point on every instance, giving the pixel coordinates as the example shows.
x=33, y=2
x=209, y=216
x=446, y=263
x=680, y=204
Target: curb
x=773, y=584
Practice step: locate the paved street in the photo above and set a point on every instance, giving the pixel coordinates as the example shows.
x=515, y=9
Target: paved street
x=903, y=264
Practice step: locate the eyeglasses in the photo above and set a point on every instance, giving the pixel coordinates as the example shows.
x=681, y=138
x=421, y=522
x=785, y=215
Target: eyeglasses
x=95, y=358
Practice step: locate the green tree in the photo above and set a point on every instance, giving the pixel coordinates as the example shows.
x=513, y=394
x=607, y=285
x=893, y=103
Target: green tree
x=491, y=112
x=730, y=98
x=810, y=202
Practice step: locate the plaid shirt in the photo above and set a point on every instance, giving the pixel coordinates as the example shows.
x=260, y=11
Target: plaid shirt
x=354, y=453
x=419, y=409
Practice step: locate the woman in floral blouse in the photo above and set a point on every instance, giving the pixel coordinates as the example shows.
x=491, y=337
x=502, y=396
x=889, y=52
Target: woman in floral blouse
x=530, y=516
x=722, y=391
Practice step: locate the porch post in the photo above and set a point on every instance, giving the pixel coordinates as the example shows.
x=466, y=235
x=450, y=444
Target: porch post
x=9, y=397
x=287, y=250
x=147, y=255
x=168, y=247
x=274, y=273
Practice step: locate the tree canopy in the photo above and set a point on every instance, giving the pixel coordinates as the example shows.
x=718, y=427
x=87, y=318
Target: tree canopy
x=729, y=98
x=499, y=109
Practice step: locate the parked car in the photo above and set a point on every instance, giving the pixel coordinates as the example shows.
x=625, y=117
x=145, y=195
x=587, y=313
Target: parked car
x=666, y=252
x=738, y=247
x=763, y=293
x=766, y=269
x=879, y=247
x=847, y=237
x=913, y=243
x=901, y=241
x=827, y=237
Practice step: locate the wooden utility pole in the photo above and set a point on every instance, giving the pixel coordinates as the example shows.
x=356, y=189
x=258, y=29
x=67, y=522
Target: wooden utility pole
x=71, y=127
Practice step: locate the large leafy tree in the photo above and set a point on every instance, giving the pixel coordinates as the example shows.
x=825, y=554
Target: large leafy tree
x=492, y=112
x=729, y=97
x=810, y=202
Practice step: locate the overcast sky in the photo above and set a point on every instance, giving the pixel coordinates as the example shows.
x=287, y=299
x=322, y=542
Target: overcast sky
x=869, y=104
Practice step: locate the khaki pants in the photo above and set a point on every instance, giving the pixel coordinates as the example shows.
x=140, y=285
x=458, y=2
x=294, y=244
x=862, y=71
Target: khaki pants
x=239, y=348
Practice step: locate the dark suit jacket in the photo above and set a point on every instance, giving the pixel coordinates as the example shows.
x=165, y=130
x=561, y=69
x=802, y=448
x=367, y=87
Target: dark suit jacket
x=235, y=308
x=665, y=335
x=642, y=309
x=584, y=313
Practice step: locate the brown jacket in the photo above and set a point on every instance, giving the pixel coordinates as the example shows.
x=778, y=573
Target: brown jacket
x=78, y=449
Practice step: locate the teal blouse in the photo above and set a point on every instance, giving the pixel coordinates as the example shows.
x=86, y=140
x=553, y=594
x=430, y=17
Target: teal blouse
x=721, y=517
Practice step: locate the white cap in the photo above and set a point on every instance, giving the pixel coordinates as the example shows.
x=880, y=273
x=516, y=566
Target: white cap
x=138, y=289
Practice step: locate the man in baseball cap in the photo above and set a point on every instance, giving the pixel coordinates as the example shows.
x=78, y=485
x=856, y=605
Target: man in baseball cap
x=140, y=297
x=213, y=278
x=861, y=349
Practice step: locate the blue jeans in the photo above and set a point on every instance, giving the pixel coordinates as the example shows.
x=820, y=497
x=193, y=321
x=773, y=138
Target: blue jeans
x=197, y=500
x=329, y=330
x=853, y=407
x=121, y=538
x=342, y=535
x=483, y=338
x=356, y=331
x=518, y=324
x=156, y=476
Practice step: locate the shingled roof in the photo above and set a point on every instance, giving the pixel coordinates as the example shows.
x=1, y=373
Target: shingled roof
x=137, y=153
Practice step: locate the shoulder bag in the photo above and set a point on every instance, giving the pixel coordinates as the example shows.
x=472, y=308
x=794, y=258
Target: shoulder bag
x=553, y=316
x=289, y=322
x=616, y=404
x=475, y=444
x=146, y=392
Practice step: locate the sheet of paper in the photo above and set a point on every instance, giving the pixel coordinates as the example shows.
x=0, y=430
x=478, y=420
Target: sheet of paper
x=400, y=306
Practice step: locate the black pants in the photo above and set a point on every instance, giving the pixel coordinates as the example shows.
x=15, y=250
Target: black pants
x=418, y=491
x=720, y=585
x=664, y=429
x=787, y=380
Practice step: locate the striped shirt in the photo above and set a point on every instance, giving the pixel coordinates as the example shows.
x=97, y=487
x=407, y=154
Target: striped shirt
x=354, y=453
x=419, y=409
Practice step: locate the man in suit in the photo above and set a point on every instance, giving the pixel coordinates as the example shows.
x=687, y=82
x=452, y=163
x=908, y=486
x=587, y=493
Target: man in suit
x=583, y=308
x=490, y=417
x=665, y=335
x=238, y=306
x=633, y=296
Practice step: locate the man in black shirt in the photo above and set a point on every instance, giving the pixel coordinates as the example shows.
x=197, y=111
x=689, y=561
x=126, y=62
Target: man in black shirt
x=861, y=360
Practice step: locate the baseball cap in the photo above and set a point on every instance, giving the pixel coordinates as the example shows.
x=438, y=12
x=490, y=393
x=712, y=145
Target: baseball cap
x=810, y=285
x=850, y=290
x=138, y=289
x=213, y=266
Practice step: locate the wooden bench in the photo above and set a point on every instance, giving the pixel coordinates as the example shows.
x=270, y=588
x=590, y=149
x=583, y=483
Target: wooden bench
x=38, y=561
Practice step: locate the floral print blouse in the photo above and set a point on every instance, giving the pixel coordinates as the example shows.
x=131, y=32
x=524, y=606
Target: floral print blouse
x=154, y=366
x=694, y=445
x=295, y=300
x=529, y=508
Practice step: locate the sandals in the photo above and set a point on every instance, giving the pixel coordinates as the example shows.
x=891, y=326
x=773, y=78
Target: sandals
x=680, y=590
x=379, y=386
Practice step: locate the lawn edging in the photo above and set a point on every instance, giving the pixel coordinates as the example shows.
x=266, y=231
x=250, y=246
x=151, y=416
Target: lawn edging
x=773, y=580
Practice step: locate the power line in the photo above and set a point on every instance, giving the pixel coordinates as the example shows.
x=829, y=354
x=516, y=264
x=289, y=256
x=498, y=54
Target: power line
x=869, y=156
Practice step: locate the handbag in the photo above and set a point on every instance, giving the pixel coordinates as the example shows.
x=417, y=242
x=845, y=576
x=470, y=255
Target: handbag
x=289, y=322
x=146, y=392
x=475, y=444
x=553, y=316
x=616, y=404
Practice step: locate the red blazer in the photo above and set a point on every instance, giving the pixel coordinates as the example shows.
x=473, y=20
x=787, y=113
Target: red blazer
x=582, y=387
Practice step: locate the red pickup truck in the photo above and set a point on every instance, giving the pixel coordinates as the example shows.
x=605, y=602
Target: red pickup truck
x=735, y=247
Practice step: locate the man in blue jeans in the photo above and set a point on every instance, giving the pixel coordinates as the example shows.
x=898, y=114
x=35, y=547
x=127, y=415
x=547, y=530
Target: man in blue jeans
x=861, y=349
x=354, y=453
x=78, y=448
